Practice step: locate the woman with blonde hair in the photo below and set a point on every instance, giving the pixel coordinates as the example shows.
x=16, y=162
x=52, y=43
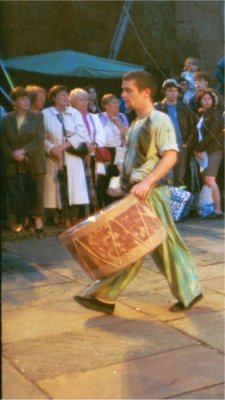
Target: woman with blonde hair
x=94, y=135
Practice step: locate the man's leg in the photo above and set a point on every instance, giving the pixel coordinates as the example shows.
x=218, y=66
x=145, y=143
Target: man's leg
x=172, y=257
x=102, y=294
x=108, y=289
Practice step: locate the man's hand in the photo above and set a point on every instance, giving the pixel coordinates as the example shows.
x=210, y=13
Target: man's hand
x=161, y=169
x=142, y=189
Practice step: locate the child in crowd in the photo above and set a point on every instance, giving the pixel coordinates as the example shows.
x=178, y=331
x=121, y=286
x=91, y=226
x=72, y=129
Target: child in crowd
x=190, y=67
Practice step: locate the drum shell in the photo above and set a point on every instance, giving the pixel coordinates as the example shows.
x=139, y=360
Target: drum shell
x=115, y=237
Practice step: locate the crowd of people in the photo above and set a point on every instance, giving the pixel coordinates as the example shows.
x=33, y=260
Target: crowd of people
x=63, y=162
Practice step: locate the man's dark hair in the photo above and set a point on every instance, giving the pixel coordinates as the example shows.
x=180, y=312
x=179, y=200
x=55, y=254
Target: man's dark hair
x=54, y=91
x=143, y=79
x=18, y=91
x=202, y=75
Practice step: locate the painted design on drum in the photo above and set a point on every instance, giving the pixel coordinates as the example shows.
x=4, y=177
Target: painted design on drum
x=140, y=224
x=115, y=237
x=122, y=234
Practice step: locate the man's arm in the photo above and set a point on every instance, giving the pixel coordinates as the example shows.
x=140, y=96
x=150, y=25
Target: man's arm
x=167, y=161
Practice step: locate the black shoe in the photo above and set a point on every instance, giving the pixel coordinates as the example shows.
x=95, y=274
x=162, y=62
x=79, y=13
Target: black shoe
x=179, y=306
x=93, y=304
x=214, y=215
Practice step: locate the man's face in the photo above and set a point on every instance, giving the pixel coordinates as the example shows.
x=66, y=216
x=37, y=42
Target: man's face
x=171, y=94
x=22, y=103
x=201, y=84
x=133, y=97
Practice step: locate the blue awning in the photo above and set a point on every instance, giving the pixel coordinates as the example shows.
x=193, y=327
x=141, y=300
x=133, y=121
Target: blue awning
x=71, y=64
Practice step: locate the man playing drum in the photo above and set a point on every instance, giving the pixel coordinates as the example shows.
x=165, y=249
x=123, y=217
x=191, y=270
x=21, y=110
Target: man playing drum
x=152, y=152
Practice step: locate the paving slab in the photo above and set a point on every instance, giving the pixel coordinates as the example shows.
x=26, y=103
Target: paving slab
x=215, y=392
x=13, y=264
x=45, y=251
x=208, y=328
x=15, y=386
x=205, y=256
x=84, y=341
x=156, y=377
x=143, y=351
x=56, y=318
x=71, y=270
x=34, y=322
x=215, y=284
x=39, y=295
x=162, y=305
x=205, y=228
x=211, y=271
x=26, y=280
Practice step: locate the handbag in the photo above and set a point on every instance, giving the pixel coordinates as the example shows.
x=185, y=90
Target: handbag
x=102, y=154
x=182, y=203
x=114, y=189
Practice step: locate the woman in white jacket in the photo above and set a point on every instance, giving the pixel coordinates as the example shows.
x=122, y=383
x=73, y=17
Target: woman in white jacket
x=65, y=182
x=95, y=135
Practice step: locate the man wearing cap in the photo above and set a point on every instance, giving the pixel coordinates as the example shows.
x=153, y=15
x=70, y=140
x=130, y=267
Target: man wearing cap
x=183, y=124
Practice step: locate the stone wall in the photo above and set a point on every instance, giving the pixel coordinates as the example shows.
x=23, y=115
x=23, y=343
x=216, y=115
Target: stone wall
x=170, y=30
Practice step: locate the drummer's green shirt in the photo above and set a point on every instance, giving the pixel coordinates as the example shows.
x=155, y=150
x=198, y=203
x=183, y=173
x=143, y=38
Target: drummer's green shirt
x=147, y=140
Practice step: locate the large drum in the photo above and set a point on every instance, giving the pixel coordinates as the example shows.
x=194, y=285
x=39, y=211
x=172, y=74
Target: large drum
x=114, y=237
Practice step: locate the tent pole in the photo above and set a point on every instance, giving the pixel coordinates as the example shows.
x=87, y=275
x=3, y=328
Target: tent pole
x=120, y=31
x=6, y=75
x=5, y=94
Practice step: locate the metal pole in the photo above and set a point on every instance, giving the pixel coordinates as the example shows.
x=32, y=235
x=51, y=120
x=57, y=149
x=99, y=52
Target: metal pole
x=120, y=31
x=9, y=80
x=5, y=94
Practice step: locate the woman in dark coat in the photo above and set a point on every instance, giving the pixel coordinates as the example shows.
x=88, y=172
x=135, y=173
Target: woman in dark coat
x=210, y=141
x=23, y=147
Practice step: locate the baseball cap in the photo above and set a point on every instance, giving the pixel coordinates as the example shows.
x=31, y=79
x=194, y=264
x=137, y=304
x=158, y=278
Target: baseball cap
x=170, y=82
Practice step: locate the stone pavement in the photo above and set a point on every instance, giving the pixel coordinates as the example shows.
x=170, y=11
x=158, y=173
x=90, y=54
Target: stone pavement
x=54, y=349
